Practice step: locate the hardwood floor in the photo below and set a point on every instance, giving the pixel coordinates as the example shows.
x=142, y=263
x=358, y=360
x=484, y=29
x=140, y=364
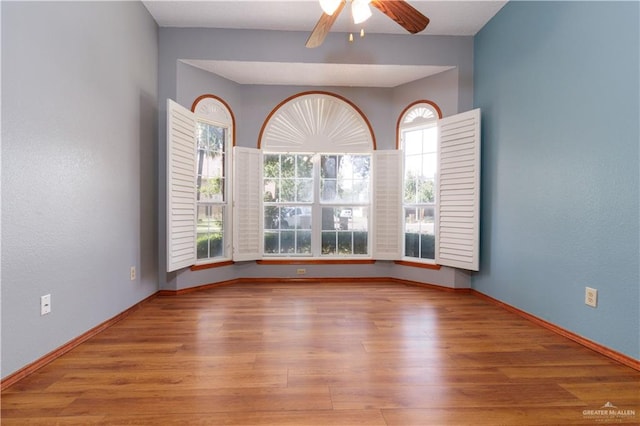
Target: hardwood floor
x=326, y=354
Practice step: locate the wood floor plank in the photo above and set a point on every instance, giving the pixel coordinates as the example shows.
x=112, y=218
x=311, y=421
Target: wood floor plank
x=203, y=401
x=257, y=418
x=324, y=354
x=58, y=420
x=625, y=393
x=452, y=395
x=537, y=416
x=180, y=379
x=393, y=376
x=578, y=373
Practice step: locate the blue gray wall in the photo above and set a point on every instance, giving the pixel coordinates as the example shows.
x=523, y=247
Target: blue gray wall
x=251, y=104
x=79, y=120
x=558, y=84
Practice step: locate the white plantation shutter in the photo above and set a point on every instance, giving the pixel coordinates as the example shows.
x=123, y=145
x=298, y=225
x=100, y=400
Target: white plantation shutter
x=181, y=187
x=458, y=193
x=387, y=205
x=247, y=204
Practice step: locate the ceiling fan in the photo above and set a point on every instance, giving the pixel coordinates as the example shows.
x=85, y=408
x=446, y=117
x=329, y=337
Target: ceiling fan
x=399, y=10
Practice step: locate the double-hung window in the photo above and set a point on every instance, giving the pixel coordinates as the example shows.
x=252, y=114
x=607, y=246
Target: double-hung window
x=211, y=190
x=344, y=203
x=419, y=142
x=288, y=203
x=316, y=204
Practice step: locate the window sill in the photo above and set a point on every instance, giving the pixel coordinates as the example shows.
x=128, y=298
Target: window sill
x=315, y=261
x=212, y=265
x=418, y=264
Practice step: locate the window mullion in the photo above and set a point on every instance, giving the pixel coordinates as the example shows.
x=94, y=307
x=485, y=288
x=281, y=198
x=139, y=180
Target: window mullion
x=316, y=210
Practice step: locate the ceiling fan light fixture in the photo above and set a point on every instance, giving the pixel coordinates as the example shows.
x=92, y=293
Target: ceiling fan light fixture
x=329, y=6
x=360, y=10
x=407, y=16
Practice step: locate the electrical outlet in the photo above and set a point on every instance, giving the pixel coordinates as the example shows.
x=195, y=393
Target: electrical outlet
x=133, y=273
x=301, y=271
x=591, y=297
x=45, y=304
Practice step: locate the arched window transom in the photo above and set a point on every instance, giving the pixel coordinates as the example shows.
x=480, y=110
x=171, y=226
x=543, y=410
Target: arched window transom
x=317, y=122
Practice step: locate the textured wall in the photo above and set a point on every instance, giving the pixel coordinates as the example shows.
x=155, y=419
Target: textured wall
x=558, y=84
x=79, y=100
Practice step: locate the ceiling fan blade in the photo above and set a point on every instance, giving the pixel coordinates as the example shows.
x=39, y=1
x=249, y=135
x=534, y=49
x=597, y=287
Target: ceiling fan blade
x=323, y=26
x=403, y=13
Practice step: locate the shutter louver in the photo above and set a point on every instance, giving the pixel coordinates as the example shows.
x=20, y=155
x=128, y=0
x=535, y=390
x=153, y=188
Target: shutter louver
x=247, y=205
x=181, y=187
x=387, y=204
x=458, y=196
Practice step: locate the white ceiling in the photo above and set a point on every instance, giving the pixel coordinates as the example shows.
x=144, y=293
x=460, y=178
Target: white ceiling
x=314, y=74
x=450, y=17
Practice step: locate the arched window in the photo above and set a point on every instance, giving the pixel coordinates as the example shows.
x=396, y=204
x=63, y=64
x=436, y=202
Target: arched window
x=441, y=185
x=418, y=140
x=317, y=160
x=214, y=139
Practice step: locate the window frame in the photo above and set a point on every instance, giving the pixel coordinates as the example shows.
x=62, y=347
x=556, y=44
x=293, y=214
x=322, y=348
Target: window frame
x=214, y=110
x=276, y=226
x=316, y=206
x=351, y=134
x=226, y=194
x=417, y=124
